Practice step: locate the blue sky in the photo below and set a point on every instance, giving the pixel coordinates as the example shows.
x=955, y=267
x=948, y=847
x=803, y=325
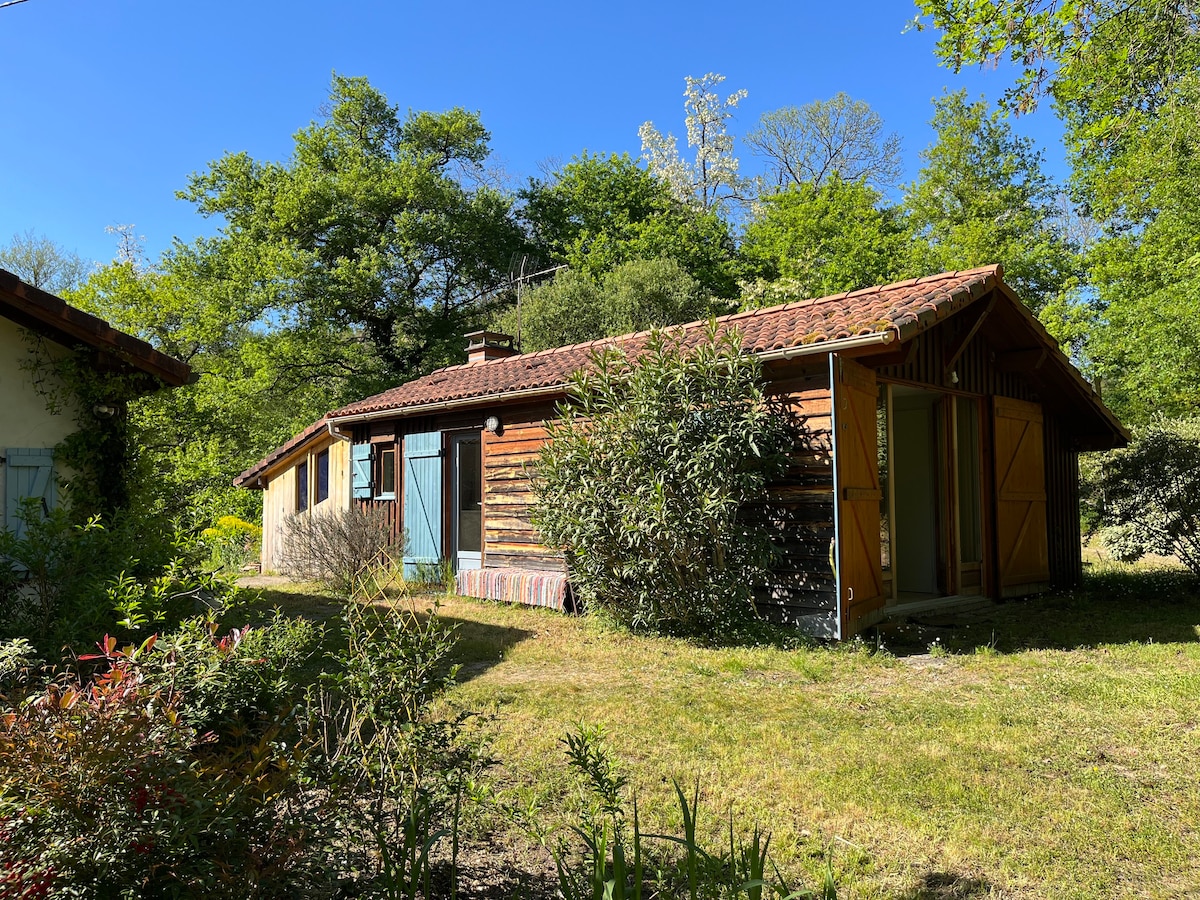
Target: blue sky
x=108, y=105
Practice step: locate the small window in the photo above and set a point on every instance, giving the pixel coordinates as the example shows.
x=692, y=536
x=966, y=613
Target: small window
x=322, y=476
x=385, y=475
x=302, y=486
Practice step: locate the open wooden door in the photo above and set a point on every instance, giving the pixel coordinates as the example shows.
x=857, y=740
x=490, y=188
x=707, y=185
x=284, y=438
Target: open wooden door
x=856, y=482
x=1022, y=549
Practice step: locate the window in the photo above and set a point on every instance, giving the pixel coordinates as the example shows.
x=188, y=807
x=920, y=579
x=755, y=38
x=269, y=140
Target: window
x=385, y=472
x=302, y=486
x=322, y=476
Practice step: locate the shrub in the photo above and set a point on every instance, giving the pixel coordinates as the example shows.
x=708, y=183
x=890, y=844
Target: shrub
x=63, y=582
x=338, y=547
x=231, y=543
x=1150, y=494
x=106, y=790
x=646, y=480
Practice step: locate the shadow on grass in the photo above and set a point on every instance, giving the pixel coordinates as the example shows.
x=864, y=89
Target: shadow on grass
x=1114, y=605
x=478, y=646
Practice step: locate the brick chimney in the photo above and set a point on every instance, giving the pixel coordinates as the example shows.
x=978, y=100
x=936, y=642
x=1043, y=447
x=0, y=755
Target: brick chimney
x=485, y=345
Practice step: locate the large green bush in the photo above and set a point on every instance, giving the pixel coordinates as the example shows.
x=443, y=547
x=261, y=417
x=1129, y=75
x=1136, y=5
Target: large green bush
x=1149, y=494
x=647, y=479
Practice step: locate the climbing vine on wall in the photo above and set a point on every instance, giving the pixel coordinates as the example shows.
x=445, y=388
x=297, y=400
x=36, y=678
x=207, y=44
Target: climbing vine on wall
x=99, y=454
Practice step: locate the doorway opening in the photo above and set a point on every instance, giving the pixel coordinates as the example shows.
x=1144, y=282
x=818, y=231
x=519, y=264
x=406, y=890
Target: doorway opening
x=466, y=501
x=931, y=504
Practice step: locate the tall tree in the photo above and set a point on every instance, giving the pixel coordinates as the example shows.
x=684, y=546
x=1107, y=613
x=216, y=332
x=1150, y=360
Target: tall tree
x=597, y=212
x=711, y=180
x=839, y=137
x=635, y=295
x=371, y=226
x=37, y=260
x=1125, y=78
x=811, y=240
x=982, y=197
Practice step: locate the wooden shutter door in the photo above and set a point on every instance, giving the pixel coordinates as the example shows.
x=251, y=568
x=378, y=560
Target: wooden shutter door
x=360, y=471
x=422, y=500
x=859, y=569
x=1022, y=550
x=29, y=475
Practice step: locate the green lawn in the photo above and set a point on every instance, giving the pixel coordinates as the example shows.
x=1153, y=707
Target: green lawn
x=1044, y=748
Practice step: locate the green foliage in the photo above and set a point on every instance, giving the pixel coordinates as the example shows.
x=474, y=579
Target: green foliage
x=62, y=581
x=813, y=240
x=597, y=212
x=618, y=862
x=1151, y=494
x=237, y=686
x=107, y=791
x=231, y=543
x=634, y=296
x=396, y=771
x=1125, y=79
x=373, y=228
x=646, y=478
x=102, y=450
x=982, y=198
x=39, y=261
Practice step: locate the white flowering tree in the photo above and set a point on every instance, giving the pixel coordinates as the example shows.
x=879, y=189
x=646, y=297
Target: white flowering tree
x=712, y=180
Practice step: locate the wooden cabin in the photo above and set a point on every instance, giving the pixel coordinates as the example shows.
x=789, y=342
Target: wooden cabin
x=938, y=460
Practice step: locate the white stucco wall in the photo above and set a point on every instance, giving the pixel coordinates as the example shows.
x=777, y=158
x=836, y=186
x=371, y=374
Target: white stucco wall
x=25, y=422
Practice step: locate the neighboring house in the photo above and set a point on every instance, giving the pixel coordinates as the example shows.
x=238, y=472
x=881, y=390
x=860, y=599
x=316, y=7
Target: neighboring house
x=939, y=459
x=33, y=323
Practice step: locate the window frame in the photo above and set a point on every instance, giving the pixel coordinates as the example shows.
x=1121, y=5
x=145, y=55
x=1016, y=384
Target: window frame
x=302, y=486
x=380, y=469
x=321, y=478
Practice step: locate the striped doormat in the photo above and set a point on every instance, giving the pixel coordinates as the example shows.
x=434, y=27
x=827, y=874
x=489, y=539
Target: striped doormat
x=548, y=589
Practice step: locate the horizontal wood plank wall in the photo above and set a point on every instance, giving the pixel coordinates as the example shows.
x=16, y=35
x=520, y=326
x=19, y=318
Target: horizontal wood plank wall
x=800, y=509
x=510, y=540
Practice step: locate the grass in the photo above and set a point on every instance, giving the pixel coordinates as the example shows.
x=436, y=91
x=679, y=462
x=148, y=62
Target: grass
x=1046, y=748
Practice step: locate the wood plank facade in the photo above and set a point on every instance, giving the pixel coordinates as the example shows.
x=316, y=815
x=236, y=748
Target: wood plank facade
x=940, y=465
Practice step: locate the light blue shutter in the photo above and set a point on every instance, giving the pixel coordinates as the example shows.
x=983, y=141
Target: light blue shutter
x=360, y=471
x=28, y=474
x=422, y=500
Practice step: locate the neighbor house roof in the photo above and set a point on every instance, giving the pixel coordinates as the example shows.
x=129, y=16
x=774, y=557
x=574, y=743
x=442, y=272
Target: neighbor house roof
x=53, y=317
x=889, y=312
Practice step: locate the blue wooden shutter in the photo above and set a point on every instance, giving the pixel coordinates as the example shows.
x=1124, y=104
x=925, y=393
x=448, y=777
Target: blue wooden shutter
x=422, y=500
x=28, y=474
x=360, y=471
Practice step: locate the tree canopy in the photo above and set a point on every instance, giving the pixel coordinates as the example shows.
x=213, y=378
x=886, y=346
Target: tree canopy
x=373, y=225
x=982, y=197
x=597, y=212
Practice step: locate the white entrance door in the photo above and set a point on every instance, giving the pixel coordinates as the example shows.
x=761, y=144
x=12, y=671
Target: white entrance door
x=466, y=501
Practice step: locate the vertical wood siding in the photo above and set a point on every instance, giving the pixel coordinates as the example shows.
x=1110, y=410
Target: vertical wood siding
x=279, y=497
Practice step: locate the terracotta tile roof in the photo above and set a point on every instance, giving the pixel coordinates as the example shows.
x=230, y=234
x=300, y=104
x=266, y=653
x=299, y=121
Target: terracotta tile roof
x=63, y=323
x=248, y=478
x=905, y=309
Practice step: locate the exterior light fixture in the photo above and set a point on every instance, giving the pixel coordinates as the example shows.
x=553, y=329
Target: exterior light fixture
x=104, y=411
x=492, y=424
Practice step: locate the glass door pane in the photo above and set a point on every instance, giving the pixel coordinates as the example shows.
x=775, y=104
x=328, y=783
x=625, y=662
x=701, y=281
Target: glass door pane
x=468, y=497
